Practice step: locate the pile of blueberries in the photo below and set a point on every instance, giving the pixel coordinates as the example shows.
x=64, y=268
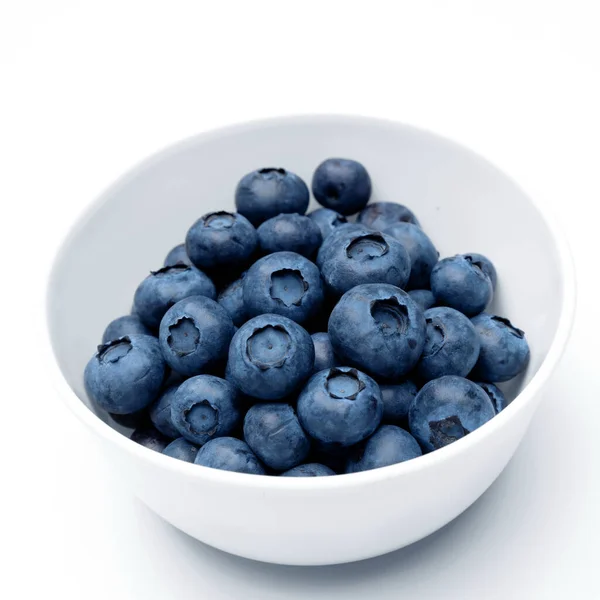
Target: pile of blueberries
x=216, y=364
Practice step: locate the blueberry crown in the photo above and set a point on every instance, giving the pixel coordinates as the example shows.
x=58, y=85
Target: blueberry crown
x=506, y=323
x=176, y=268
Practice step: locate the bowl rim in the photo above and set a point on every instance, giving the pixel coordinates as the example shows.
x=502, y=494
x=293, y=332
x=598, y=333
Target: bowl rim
x=312, y=484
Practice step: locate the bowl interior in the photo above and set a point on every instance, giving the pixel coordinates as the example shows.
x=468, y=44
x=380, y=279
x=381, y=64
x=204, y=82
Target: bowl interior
x=463, y=203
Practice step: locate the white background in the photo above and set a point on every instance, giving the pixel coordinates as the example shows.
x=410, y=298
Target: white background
x=89, y=88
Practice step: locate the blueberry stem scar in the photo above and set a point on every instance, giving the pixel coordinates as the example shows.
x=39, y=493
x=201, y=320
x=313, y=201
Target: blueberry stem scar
x=436, y=337
x=288, y=287
x=268, y=347
x=344, y=385
x=367, y=246
x=514, y=330
x=445, y=431
x=183, y=336
x=219, y=220
x=114, y=350
x=390, y=315
x=272, y=170
x=178, y=268
x=202, y=418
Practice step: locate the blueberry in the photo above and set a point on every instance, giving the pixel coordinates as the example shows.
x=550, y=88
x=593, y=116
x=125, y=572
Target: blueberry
x=504, y=350
x=163, y=288
x=387, y=446
x=447, y=409
x=177, y=255
x=274, y=434
x=150, y=438
x=379, y=329
x=324, y=355
x=451, y=344
x=397, y=399
x=229, y=454
x=381, y=215
x=160, y=413
x=205, y=407
x=194, y=335
x=268, y=192
x=485, y=264
x=365, y=258
x=422, y=252
x=327, y=220
x=340, y=406
x=126, y=325
x=424, y=298
x=495, y=395
x=126, y=374
x=461, y=284
x=329, y=245
x=270, y=357
x=181, y=449
x=290, y=232
x=232, y=300
x=284, y=283
x=221, y=239
x=342, y=185
x=309, y=470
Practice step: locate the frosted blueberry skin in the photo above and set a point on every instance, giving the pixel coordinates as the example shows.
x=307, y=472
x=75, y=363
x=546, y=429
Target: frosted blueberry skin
x=325, y=357
x=125, y=325
x=283, y=283
x=459, y=283
x=270, y=357
x=495, y=394
x=368, y=258
x=232, y=300
x=163, y=288
x=274, y=434
x=381, y=215
x=330, y=243
x=181, y=449
x=309, y=470
x=160, y=413
x=221, y=239
x=194, y=335
x=504, y=350
x=265, y=193
x=340, y=406
x=485, y=264
x=397, y=399
x=229, y=454
x=342, y=185
x=290, y=233
x=424, y=298
x=205, y=407
x=177, y=255
x=389, y=445
x=327, y=220
x=125, y=375
x=447, y=409
x=378, y=329
x=150, y=438
x=423, y=254
x=451, y=344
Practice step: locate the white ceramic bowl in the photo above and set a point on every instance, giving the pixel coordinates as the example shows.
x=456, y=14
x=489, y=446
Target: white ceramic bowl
x=465, y=205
